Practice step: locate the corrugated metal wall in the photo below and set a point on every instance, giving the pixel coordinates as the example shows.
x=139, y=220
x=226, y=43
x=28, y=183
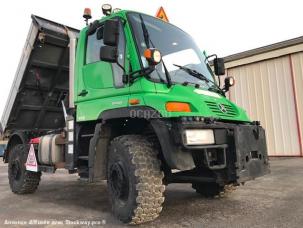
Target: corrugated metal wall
x=271, y=91
x=297, y=66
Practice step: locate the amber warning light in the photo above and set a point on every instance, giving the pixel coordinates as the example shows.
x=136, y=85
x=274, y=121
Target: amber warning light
x=87, y=15
x=153, y=56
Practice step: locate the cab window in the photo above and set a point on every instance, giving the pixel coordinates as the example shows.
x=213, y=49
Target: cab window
x=95, y=42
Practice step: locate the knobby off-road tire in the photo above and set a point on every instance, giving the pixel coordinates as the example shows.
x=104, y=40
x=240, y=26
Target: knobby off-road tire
x=208, y=190
x=134, y=179
x=21, y=181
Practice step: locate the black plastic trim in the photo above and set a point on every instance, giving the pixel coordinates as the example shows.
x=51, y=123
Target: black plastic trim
x=197, y=147
x=142, y=112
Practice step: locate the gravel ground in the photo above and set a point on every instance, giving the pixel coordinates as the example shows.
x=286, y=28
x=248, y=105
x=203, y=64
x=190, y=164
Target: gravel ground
x=275, y=200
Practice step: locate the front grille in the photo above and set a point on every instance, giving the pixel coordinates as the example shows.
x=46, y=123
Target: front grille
x=214, y=107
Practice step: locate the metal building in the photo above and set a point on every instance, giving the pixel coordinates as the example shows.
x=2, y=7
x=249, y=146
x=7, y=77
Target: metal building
x=269, y=86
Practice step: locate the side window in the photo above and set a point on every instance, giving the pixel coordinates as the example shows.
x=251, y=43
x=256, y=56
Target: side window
x=94, y=43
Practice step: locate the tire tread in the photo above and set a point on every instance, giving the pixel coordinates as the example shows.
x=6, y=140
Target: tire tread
x=147, y=169
x=30, y=180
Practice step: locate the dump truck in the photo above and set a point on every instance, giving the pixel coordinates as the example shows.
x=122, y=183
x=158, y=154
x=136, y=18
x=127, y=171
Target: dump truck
x=132, y=100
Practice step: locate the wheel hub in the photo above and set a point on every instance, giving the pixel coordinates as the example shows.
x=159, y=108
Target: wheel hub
x=118, y=181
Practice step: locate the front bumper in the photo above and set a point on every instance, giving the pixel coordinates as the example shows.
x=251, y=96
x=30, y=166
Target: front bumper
x=238, y=155
x=251, y=150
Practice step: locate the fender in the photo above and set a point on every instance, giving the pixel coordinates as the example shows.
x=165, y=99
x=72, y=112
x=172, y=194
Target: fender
x=103, y=134
x=175, y=157
x=97, y=154
x=16, y=138
x=144, y=112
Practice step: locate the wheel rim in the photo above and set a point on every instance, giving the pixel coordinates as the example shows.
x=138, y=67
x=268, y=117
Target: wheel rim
x=119, y=182
x=16, y=170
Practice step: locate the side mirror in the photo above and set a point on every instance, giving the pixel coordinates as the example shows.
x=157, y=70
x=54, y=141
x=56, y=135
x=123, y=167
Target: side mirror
x=219, y=66
x=111, y=32
x=229, y=82
x=108, y=54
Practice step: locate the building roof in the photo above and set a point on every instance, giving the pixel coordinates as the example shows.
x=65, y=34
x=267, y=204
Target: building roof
x=261, y=50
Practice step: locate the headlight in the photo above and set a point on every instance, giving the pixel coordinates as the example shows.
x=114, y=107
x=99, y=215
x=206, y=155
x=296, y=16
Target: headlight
x=199, y=137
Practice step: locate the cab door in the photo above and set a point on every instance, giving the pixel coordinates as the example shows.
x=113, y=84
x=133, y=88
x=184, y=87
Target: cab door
x=103, y=87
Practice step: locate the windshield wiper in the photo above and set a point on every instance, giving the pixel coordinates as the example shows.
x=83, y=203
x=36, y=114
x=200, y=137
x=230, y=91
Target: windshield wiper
x=145, y=32
x=147, y=41
x=200, y=76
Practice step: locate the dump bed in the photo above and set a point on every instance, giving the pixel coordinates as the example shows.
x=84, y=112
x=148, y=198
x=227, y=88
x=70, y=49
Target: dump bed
x=41, y=81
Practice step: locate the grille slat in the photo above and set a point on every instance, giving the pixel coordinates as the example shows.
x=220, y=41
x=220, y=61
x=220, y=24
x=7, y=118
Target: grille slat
x=214, y=107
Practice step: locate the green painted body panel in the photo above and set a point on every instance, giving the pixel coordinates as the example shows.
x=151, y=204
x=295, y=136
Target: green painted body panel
x=96, y=76
x=97, y=80
x=201, y=105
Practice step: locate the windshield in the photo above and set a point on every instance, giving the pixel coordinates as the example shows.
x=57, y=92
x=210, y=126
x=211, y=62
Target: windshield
x=176, y=47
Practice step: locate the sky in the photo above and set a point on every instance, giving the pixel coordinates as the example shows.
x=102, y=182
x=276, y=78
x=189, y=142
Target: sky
x=223, y=27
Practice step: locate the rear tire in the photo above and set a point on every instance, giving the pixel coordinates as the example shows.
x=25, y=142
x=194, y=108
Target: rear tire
x=134, y=179
x=21, y=181
x=208, y=190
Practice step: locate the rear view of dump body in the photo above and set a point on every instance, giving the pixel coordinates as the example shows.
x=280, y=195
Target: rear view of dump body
x=42, y=80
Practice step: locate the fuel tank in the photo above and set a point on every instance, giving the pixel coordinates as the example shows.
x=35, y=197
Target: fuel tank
x=50, y=153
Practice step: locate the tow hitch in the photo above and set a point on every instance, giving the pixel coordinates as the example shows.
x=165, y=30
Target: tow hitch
x=215, y=158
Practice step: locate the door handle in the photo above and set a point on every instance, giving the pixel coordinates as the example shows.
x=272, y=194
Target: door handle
x=83, y=93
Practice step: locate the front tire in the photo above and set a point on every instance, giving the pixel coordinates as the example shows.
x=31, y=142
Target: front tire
x=21, y=181
x=134, y=179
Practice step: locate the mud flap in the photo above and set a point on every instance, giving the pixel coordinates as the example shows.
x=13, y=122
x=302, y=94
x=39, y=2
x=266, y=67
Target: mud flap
x=97, y=159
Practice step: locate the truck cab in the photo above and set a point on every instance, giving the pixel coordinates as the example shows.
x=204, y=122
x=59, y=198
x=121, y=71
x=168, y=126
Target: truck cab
x=141, y=109
x=110, y=85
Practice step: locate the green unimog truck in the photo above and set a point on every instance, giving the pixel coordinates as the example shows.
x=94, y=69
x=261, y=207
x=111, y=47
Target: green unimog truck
x=132, y=100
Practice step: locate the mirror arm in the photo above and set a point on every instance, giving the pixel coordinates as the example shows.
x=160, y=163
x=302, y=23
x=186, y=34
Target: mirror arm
x=131, y=77
x=210, y=56
x=225, y=89
x=121, y=67
x=93, y=27
x=125, y=77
